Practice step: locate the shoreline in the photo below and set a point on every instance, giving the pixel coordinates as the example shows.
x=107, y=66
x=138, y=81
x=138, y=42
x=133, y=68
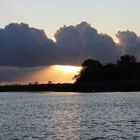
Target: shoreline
x=105, y=86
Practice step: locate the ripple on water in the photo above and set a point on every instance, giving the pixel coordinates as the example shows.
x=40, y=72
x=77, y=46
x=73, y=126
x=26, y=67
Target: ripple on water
x=98, y=116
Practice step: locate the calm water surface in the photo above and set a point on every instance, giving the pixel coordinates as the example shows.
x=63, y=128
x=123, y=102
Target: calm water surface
x=69, y=116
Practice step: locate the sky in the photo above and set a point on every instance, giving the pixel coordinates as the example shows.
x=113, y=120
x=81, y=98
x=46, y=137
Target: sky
x=108, y=16
x=37, y=37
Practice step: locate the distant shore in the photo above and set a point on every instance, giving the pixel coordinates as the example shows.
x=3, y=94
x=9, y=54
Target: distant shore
x=114, y=86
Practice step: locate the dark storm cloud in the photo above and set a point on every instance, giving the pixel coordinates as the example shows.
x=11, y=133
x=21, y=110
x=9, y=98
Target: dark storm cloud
x=21, y=45
x=16, y=74
x=77, y=43
x=129, y=43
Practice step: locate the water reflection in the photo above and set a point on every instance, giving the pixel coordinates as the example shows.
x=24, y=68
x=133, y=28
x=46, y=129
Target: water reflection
x=65, y=119
x=61, y=116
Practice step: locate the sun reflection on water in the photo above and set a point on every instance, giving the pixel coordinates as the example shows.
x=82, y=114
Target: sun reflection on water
x=66, y=119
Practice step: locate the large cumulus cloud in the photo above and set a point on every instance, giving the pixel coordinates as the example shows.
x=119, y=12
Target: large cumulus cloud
x=129, y=43
x=21, y=45
x=77, y=43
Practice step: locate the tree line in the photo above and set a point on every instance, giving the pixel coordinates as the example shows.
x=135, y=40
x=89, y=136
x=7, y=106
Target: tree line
x=126, y=68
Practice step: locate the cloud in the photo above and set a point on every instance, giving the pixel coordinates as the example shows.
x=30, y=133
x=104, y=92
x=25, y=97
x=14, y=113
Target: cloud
x=77, y=43
x=23, y=46
x=129, y=43
x=15, y=74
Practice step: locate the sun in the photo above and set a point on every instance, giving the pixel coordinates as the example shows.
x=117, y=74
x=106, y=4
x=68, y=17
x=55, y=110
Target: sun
x=68, y=69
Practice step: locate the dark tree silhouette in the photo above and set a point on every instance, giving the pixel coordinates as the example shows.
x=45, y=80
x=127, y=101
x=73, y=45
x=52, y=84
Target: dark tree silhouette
x=90, y=68
x=126, y=60
x=127, y=68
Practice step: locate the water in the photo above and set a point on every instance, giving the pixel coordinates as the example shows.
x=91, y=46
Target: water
x=69, y=116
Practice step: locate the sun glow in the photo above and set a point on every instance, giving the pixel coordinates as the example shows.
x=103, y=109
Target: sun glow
x=67, y=69
x=54, y=73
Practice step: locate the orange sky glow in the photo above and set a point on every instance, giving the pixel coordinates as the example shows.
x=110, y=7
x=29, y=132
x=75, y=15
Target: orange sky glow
x=54, y=73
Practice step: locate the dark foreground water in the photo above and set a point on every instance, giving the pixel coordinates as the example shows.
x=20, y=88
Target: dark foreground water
x=69, y=116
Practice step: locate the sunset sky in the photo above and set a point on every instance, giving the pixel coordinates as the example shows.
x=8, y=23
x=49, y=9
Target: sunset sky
x=26, y=50
x=108, y=16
